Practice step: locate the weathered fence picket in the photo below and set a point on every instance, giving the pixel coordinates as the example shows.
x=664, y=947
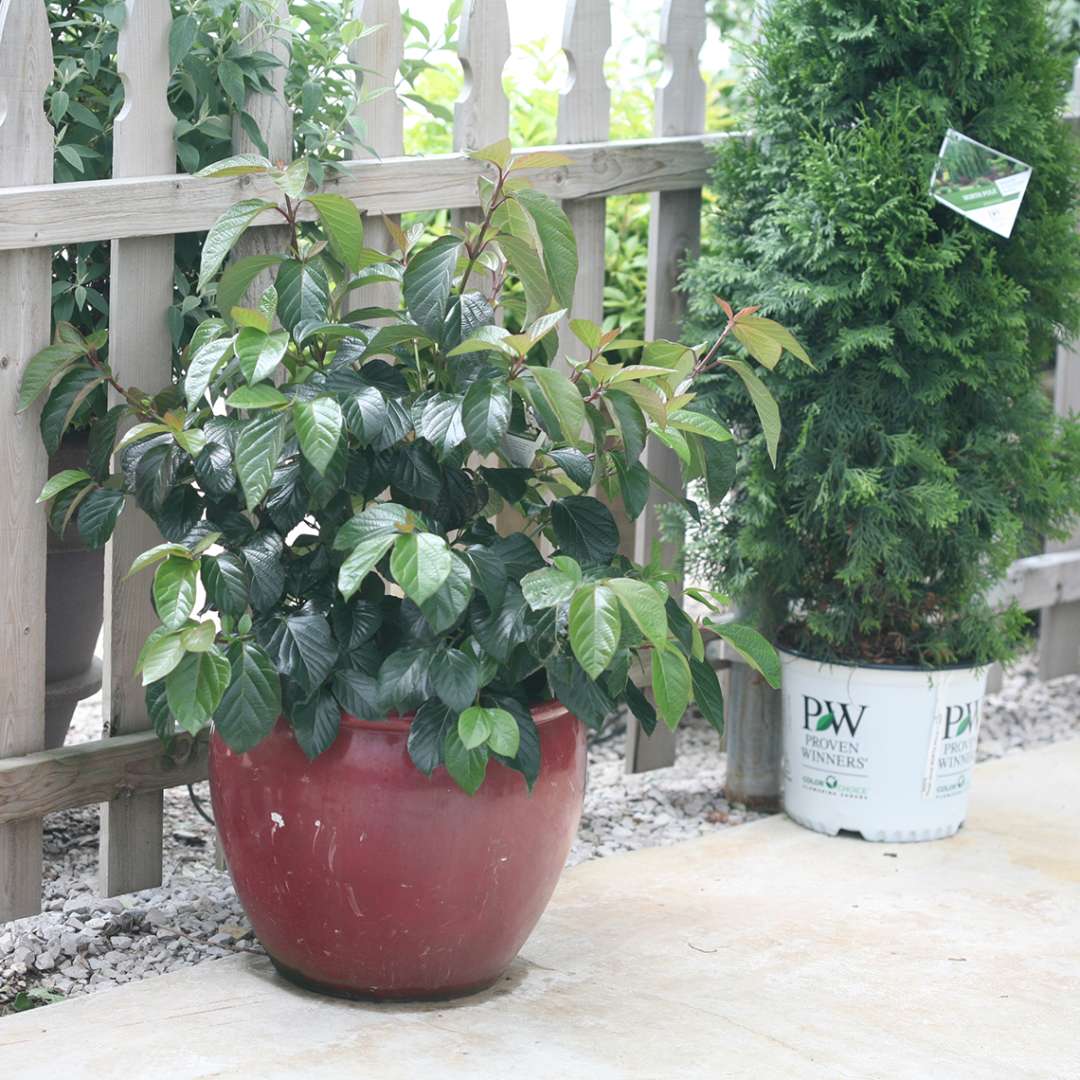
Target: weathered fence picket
x=380, y=55
x=140, y=351
x=140, y=210
x=26, y=149
x=674, y=236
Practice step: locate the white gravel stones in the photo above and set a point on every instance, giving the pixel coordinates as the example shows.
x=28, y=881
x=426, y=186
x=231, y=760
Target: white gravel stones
x=83, y=944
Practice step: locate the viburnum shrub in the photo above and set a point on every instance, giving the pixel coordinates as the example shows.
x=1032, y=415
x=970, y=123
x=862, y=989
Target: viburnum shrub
x=330, y=476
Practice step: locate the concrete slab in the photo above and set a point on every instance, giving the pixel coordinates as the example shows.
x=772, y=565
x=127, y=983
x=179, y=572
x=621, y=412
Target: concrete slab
x=764, y=951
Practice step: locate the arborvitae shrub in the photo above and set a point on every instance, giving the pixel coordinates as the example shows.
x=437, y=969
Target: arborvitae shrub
x=922, y=456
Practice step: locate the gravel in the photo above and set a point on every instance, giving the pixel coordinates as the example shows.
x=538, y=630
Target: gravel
x=82, y=943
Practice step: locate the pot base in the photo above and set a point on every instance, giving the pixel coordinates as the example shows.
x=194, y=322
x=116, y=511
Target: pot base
x=878, y=836
x=375, y=995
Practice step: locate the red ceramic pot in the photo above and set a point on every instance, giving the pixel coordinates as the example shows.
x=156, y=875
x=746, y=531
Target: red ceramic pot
x=364, y=878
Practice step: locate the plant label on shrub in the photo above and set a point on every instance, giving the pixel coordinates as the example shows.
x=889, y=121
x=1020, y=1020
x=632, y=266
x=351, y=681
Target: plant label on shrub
x=979, y=182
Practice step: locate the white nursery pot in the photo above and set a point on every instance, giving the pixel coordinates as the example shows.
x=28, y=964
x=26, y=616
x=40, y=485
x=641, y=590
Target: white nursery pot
x=882, y=751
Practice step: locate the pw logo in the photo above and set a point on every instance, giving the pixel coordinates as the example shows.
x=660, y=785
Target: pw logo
x=822, y=716
x=959, y=719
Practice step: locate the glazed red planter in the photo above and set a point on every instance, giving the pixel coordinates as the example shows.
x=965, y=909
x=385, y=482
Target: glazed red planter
x=364, y=878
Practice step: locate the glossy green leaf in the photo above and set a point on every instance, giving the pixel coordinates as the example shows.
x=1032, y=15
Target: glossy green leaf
x=585, y=529
x=303, y=293
x=175, y=590
x=474, y=727
x=752, y=647
x=195, y=687
x=563, y=397
x=97, y=515
x=225, y=232
x=557, y=241
x=427, y=281
x=420, y=564
x=226, y=581
x=258, y=397
x=43, y=368
x=238, y=277
x=60, y=482
x=486, y=414
x=251, y=703
x=466, y=767
x=258, y=448
x=343, y=226
x=671, y=685
x=160, y=655
x=767, y=409
x=594, y=627
x=645, y=606
x=260, y=353
x=318, y=427
x=203, y=365
x=707, y=693
x=361, y=561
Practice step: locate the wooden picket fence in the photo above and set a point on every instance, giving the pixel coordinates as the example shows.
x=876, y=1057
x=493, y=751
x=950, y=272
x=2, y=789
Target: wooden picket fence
x=146, y=204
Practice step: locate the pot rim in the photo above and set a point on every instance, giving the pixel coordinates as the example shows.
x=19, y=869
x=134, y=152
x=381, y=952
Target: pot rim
x=543, y=713
x=786, y=650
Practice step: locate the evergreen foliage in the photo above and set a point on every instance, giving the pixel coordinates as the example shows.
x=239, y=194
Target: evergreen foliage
x=922, y=456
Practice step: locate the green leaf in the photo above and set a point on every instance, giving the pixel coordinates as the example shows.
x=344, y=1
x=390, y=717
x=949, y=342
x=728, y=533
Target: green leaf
x=427, y=281
x=825, y=722
x=585, y=529
x=182, y=34
x=303, y=293
x=293, y=179
x=258, y=447
x=376, y=519
x=43, y=368
x=199, y=637
x=556, y=240
x=700, y=424
x=707, y=693
x=465, y=766
x=498, y=153
x=237, y=279
x=486, y=414
x=474, y=727
x=343, y=225
x=316, y=722
x=634, y=486
x=61, y=482
x=225, y=232
x=671, y=685
x=550, y=586
x=505, y=737
x=447, y=604
x=160, y=655
x=361, y=562
x=455, y=677
x=563, y=397
x=237, y=165
x=767, y=409
x=427, y=734
x=631, y=423
x=195, y=687
x=155, y=555
x=765, y=340
x=251, y=703
x=226, y=581
x=365, y=414
x=645, y=606
x=64, y=402
x=318, y=427
x=175, y=590
x=98, y=514
x=752, y=647
x=306, y=650
x=594, y=627
x=256, y=397
x=420, y=564
x=575, y=464
x=260, y=353
x=437, y=418
x=527, y=266
x=203, y=364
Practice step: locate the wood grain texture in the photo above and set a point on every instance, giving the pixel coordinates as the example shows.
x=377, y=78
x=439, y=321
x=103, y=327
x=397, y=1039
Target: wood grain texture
x=124, y=767
x=585, y=116
x=380, y=55
x=674, y=237
x=1059, y=626
x=140, y=351
x=163, y=205
x=273, y=118
x=26, y=144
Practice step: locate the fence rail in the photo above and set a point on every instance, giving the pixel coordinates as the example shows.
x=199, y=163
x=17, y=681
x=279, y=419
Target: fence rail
x=143, y=207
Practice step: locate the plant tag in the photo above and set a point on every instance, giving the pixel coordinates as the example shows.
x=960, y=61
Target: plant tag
x=979, y=182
